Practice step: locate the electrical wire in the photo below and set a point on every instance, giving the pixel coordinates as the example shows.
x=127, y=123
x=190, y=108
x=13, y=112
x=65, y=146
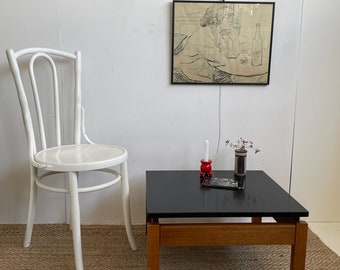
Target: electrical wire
x=219, y=119
x=295, y=106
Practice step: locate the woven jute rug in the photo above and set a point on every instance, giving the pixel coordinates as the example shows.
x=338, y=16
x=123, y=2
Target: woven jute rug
x=106, y=247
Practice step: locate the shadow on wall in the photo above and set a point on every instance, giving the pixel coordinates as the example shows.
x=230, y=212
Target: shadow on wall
x=14, y=169
x=15, y=184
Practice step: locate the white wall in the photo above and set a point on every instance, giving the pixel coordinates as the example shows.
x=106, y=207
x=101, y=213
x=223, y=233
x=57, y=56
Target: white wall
x=316, y=167
x=129, y=101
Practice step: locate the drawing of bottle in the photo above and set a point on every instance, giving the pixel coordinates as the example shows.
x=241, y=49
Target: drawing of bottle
x=233, y=40
x=256, y=56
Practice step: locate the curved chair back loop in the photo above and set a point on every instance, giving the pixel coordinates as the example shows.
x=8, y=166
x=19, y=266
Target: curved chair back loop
x=51, y=56
x=37, y=100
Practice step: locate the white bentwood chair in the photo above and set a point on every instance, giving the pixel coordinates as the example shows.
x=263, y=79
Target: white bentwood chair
x=63, y=158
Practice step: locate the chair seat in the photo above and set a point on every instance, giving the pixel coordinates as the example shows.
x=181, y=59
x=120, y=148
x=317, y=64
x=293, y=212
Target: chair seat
x=81, y=157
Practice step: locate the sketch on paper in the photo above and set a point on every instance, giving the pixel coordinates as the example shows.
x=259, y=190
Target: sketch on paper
x=221, y=42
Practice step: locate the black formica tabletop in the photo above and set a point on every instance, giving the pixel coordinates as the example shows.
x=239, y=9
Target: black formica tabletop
x=171, y=194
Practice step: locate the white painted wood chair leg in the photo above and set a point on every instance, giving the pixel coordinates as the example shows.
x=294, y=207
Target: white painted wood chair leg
x=68, y=203
x=75, y=219
x=126, y=205
x=31, y=207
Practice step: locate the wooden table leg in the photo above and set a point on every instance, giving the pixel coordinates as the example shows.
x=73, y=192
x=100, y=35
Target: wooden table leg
x=298, y=253
x=153, y=242
x=256, y=219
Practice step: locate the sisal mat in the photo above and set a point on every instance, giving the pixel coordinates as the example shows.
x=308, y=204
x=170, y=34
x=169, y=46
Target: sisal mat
x=106, y=247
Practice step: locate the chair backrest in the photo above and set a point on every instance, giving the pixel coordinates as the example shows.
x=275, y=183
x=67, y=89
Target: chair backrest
x=43, y=88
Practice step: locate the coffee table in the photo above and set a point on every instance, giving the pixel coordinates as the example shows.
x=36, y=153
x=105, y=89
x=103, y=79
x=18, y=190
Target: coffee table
x=178, y=194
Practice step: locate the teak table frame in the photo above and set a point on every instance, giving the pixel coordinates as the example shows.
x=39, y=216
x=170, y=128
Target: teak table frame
x=179, y=194
x=286, y=231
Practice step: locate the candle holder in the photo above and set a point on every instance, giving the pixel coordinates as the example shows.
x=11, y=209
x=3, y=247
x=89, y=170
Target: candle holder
x=206, y=169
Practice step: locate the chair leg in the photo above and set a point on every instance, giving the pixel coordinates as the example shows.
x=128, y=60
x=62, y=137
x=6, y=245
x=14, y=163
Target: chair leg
x=32, y=206
x=126, y=205
x=75, y=219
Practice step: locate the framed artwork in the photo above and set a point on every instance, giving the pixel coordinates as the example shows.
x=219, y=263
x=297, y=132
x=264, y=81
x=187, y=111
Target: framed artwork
x=221, y=42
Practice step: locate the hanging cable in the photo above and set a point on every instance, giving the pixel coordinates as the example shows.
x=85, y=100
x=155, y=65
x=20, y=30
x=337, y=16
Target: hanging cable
x=219, y=120
x=219, y=117
x=295, y=105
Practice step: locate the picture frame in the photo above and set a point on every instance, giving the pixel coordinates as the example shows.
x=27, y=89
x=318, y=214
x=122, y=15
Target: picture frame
x=221, y=42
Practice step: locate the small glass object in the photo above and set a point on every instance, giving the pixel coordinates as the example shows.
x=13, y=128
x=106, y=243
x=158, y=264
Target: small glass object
x=244, y=57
